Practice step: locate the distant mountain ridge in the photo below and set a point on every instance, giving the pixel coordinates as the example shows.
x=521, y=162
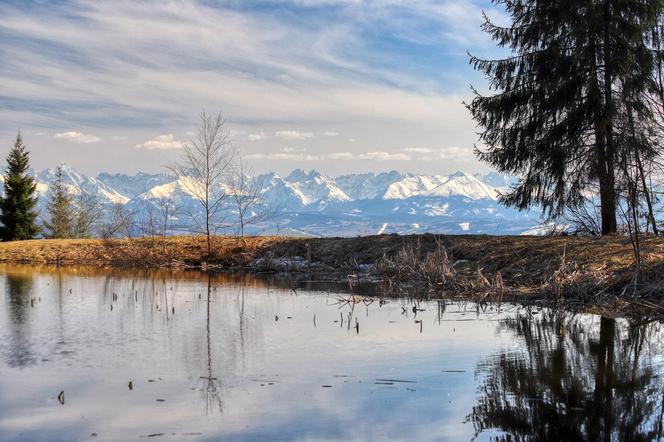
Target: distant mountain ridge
x=312, y=203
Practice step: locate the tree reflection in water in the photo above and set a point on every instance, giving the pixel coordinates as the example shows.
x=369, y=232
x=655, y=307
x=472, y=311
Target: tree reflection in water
x=211, y=387
x=19, y=289
x=572, y=378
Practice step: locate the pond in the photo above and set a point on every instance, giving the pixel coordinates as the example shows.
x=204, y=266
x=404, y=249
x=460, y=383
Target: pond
x=123, y=355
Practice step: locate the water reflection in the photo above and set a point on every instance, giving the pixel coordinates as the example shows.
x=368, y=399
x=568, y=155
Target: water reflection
x=567, y=377
x=211, y=389
x=242, y=358
x=18, y=289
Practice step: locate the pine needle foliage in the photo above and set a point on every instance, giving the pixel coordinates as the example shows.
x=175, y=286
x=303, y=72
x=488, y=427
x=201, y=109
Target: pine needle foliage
x=551, y=112
x=19, y=199
x=60, y=209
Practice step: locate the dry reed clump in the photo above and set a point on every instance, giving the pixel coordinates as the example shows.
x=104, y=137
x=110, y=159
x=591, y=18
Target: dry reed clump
x=436, y=270
x=410, y=264
x=570, y=280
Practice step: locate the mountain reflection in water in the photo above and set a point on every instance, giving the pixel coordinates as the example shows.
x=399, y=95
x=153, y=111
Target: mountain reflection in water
x=213, y=356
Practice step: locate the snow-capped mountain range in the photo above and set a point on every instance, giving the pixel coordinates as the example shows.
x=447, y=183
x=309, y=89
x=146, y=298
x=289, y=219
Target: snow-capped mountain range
x=311, y=203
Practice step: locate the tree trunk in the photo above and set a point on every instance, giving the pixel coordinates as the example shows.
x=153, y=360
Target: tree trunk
x=607, y=194
x=607, y=186
x=647, y=194
x=607, y=179
x=207, y=234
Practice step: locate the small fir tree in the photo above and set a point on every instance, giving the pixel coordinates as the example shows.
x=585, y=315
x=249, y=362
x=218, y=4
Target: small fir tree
x=60, y=209
x=17, y=205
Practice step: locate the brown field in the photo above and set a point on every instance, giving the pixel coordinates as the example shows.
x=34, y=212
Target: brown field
x=583, y=269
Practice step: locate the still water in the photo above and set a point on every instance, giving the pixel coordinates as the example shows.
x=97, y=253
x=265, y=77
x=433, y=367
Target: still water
x=188, y=356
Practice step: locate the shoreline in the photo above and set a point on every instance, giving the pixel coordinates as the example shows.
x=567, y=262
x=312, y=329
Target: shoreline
x=579, y=273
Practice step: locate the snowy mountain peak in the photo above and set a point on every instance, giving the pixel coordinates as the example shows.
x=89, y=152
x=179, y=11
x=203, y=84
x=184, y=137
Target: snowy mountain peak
x=300, y=175
x=413, y=185
x=463, y=185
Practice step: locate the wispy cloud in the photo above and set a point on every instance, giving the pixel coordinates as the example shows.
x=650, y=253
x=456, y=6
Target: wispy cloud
x=257, y=136
x=288, y=156
x=295, y=69
x=161, y=142
x=384, y=156
x=452, y=153
x=293, y=135
x=77, y=137
x=418, y=150
x=371, y=70
x=289, y=149
x=302, y=155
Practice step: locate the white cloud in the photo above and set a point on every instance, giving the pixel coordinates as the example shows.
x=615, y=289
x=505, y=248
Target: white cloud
x=342, y=156
x=288, y=153
x=161, y=142
x=289, y=149
x=384, y=156
x=373, y=156
x=257, y=137
x=284, y=156
x=330, y=133
x=77, y=137
x=293, y=135
x=418, y=150
x=456, y=153
x=452, y=153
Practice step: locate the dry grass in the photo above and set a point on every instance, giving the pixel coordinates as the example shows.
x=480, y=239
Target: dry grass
x=177, y=251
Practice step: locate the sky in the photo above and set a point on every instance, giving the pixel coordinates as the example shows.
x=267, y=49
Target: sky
x=340, y=86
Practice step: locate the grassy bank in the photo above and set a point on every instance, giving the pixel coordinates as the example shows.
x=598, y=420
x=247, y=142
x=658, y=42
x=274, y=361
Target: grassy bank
x=587, y=271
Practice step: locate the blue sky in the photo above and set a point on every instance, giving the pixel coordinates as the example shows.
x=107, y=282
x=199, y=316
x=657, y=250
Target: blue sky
x=337, y=85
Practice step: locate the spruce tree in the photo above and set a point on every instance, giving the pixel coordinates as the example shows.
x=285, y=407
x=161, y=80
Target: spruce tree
x=17, y=205
x=60, y=209
x=551, y=115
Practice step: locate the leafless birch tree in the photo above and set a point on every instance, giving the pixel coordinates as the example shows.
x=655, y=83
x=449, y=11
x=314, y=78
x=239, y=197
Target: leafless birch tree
x=247, y=198
x=207, y=160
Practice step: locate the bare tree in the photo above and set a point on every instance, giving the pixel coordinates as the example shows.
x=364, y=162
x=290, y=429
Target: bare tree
x=584, y=219
x=148, y=219
x=119, y=223
x=167, y=209
x=206, y=162
x=88, y=213
x=247, y=198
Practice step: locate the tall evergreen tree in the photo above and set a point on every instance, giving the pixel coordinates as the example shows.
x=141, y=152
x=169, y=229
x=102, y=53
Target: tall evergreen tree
x=17, y=205
x=60, y=209
x=552, y=117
